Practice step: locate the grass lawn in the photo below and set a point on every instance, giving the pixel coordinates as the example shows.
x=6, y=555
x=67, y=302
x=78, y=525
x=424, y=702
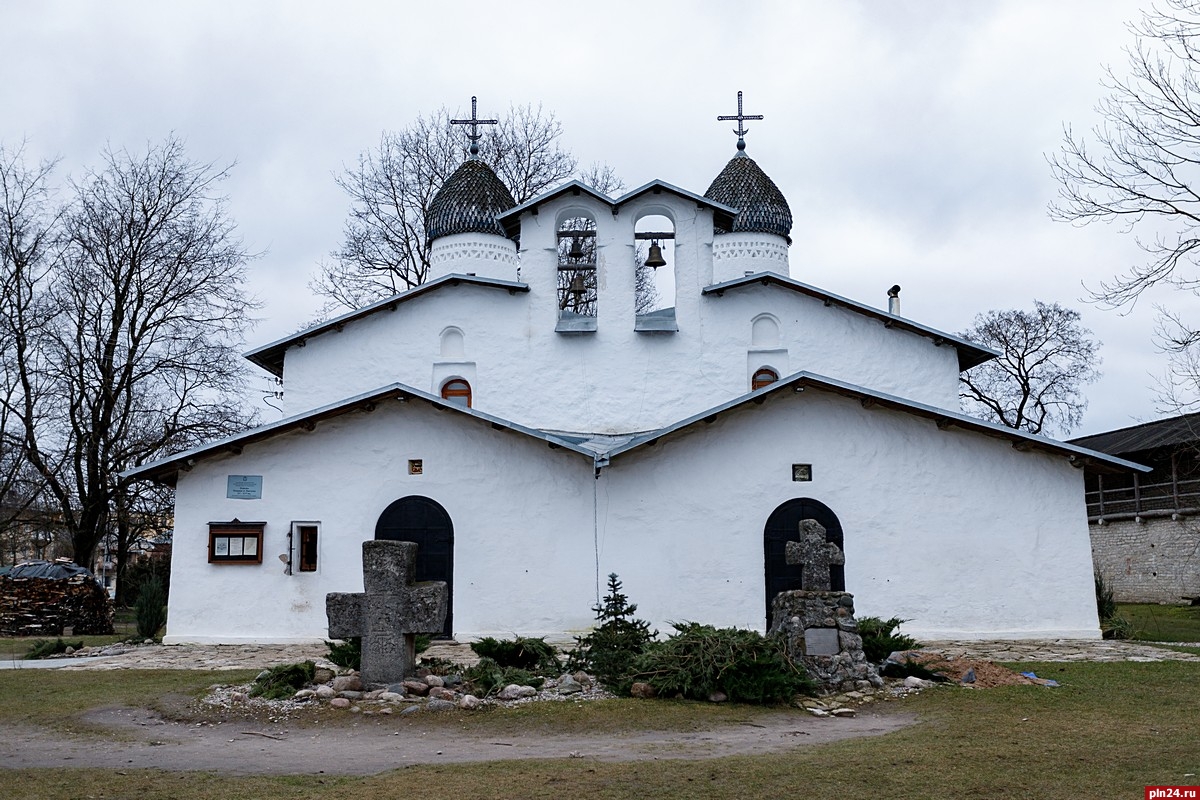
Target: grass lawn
x=1155, y=623
x=1110, y=730
x=124, y=626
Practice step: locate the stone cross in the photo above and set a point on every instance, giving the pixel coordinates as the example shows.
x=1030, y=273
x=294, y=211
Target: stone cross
x=816, y=554
x=391, y=611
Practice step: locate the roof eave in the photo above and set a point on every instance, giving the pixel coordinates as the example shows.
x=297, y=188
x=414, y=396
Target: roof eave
x=270, y=356
x=970, y=354
x=797, y=383
x=165, y=470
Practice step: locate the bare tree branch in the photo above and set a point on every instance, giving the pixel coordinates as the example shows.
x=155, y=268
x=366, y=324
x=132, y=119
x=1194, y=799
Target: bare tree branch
x=1046, y=357
x=126, y=335
x=384, y=248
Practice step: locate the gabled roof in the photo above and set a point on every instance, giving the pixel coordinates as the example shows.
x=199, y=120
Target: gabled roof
x=164, y=470
x=601, y=449
x=970, y=354
x=511, y=219
x=270, y=356
x=1183, y=430
x=801, y=381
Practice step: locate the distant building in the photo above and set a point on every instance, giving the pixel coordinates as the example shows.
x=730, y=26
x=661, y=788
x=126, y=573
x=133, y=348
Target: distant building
x=1145, y=527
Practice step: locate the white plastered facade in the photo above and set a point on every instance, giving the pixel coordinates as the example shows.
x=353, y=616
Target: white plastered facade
x=948, y=527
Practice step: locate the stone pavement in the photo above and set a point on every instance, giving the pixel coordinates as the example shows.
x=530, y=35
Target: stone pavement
x=258, y=656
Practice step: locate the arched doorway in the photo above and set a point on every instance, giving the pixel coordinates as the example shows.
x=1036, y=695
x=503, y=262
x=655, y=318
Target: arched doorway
x=421, y=520
x=783, y=526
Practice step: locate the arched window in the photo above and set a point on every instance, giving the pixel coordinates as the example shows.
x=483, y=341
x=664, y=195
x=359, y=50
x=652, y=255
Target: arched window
x=457, y=391
x=764, y=377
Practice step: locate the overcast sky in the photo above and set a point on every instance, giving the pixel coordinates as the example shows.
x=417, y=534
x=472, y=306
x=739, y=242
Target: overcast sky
x=910, y=138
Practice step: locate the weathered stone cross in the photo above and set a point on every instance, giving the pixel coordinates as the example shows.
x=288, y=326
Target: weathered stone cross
x=816, y=554
x=391, y=611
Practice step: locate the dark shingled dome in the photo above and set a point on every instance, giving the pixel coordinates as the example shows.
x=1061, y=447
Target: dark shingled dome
x=761, y=206
x=468, y=202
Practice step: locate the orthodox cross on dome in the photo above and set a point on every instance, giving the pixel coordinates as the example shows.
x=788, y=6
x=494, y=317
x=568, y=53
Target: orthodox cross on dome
x=740, y=130
x=475, y=122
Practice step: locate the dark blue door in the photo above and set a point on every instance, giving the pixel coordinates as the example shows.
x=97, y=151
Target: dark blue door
x=783, y=526
x=424, y=521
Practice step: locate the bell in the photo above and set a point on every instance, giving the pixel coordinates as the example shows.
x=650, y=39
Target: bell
x=655, y=259
x=577, y=287
x=576, y=248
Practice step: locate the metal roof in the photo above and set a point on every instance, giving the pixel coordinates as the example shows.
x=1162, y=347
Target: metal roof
x=1171, y=432
x=270, y=356
x=970, y=354
x=799, y=382
x=511, y=219
x=164, y=470
x=601, y=448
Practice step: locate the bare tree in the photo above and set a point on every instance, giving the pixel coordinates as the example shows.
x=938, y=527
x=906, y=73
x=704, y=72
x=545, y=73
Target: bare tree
x=1046, y=358
x=28, y=216
x=385, y=249
x=133, y=351
x=1141, y=167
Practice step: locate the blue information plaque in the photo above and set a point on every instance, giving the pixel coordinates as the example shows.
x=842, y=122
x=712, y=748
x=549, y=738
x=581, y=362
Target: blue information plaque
x=244, y=487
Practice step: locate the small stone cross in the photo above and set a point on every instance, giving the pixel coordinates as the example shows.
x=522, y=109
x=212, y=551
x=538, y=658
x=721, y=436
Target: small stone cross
x=816, y=554
x=391, y=611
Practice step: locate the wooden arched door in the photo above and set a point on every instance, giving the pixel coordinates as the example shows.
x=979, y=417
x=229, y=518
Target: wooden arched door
x=783, y=526
x=424, y=521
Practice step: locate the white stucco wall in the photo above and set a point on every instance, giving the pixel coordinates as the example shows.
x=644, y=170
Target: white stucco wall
x=614, y=380
x=521, y=514
x=955, y=531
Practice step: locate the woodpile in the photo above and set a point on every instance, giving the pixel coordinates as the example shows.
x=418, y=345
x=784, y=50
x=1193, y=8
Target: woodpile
x=44, y=606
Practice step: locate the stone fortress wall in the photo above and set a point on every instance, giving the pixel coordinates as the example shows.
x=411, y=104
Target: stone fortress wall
x=1156, y=560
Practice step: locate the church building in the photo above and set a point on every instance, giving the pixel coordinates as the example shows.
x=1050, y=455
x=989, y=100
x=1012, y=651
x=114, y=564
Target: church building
x=550, y=407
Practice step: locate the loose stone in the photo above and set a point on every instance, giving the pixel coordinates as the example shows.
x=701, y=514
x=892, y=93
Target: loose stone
x=643, y=690
x=347, y=683
x=339, y=702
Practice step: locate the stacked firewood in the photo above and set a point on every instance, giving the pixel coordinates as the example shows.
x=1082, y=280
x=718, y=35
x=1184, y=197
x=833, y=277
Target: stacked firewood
x=45, y=606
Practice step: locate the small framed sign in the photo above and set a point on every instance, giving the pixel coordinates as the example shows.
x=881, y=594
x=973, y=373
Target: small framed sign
x=235, y=542
x=244, y=487
x=802, y=472
x=416, y=466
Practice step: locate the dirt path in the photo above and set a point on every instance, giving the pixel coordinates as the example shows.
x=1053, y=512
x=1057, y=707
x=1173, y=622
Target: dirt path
x=144, y=741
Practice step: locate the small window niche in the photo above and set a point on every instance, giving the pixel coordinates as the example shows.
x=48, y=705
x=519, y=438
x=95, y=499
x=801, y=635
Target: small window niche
x=305, y=550
x=654, y=279
x=577, y=288
x=764, y=376
x=457, y=391
x=235, y=542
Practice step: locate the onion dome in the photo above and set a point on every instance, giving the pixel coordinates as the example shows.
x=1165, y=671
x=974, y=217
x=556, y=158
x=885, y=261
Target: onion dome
x=761, y=206
x=468, y=202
